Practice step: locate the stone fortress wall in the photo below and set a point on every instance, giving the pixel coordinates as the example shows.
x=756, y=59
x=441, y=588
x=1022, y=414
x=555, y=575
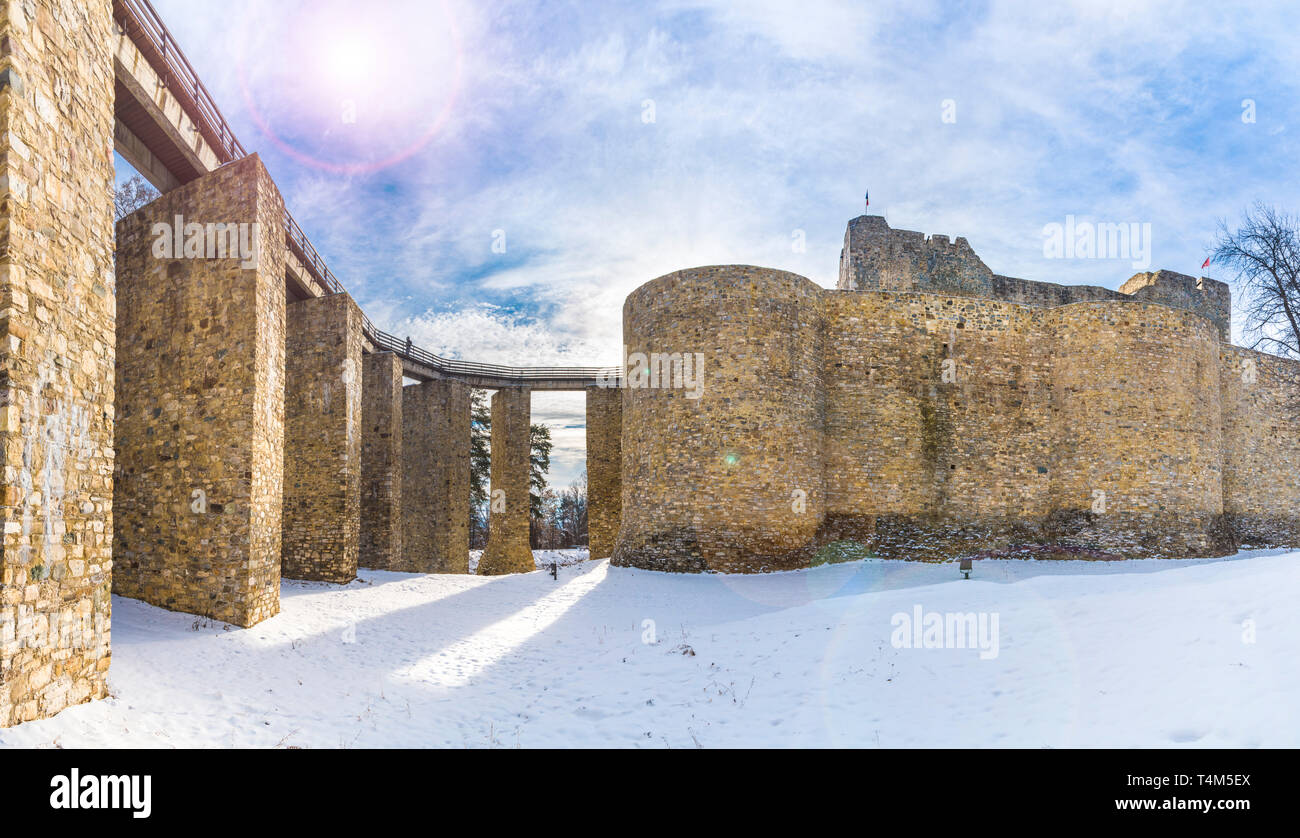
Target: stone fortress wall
x=928, y=408
x=876, y=257
x=56, y=355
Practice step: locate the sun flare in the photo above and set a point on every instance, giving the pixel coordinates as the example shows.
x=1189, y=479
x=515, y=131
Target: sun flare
x=351, y=60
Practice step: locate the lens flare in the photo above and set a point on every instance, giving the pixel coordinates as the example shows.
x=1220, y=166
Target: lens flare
x=357, y=98
x=349, y=61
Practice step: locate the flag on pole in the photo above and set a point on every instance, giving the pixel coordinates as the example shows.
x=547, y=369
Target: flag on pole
x=1206, y=263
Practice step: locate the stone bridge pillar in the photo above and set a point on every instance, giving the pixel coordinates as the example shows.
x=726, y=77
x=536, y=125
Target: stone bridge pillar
x=56, y=355
x=322, y=440
x=200, y=397
x=435, y=477
x=508, y=548
x=381, y=461
x=604, y=466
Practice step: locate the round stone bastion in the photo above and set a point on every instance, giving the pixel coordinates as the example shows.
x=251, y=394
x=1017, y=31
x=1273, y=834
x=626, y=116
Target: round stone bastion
x=722, y=421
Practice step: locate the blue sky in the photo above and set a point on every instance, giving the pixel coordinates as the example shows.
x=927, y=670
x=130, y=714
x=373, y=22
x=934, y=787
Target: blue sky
x=533, y=120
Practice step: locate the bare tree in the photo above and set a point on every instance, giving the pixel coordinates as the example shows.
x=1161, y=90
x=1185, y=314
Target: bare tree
x=1265, y=255
x=132, y=195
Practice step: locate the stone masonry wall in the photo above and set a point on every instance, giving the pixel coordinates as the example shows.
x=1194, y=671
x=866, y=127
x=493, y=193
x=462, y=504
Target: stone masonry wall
x=1137, y=417
x=200, y=405
x=938, y=419
x=1261, y=441
x=604, y=466
x=435, y=477
x=381, y=461
x=56, y=354
x=508, y=548
x=322, y=440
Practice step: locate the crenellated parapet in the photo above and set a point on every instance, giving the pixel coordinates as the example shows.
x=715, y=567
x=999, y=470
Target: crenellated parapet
x=877, y=257
x=1206, y=297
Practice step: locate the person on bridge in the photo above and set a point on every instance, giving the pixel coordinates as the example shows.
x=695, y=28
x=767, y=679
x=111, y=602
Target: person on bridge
x=408, y=344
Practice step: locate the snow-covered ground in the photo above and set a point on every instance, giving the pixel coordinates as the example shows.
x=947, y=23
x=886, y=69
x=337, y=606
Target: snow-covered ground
x=1140, y=653
x=541, y=558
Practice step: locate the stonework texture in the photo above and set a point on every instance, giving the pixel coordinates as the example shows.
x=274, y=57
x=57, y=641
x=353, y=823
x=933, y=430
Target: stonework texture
x=381, y=462
x=57, y=309
x=200, y=405
x=934, y=425
x=322, y=440
x=1261, y=470
x=1046, y=408
x=604, y=467
x=508, y=549
x=435, y=477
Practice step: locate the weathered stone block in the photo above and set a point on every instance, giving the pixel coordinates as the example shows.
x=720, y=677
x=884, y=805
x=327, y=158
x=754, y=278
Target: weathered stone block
x=604, y=467
x=322, y=440
x=200, y=402
x=508, y=549
x=381, y=462
x=435, y=477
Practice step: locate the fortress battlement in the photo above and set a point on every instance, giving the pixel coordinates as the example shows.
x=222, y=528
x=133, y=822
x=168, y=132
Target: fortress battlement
x=877, y=257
